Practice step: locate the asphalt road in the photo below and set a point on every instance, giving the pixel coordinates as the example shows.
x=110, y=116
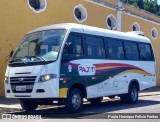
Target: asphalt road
x=146, y=104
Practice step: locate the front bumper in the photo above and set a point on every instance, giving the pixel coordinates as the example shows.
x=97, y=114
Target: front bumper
x=48, y=89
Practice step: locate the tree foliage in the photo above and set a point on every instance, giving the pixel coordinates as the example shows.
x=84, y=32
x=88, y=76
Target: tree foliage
x=148, y=5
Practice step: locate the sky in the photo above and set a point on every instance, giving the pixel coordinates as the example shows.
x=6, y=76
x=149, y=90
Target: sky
x=158, y=2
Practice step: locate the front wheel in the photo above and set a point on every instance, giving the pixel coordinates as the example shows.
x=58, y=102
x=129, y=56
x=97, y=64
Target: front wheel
x=74, y=102
x=27, y=106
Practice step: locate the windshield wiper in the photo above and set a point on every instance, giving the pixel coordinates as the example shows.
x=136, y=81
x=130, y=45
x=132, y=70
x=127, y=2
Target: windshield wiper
x=37, y=57
x=18, y=59
x=40, y=57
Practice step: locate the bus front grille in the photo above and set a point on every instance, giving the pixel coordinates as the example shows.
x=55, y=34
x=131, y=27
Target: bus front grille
x=27, y=82
x=29, y=79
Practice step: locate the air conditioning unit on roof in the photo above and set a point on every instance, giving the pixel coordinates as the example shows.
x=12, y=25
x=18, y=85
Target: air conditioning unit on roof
x=140, y=33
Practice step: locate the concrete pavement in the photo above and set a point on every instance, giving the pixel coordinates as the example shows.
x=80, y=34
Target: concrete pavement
x=150, y=91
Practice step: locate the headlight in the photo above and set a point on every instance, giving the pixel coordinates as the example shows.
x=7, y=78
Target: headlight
x=47, y=77
x=6, y=80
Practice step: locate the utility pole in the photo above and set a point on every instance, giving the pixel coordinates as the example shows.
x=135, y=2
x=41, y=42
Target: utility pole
x=119, y=15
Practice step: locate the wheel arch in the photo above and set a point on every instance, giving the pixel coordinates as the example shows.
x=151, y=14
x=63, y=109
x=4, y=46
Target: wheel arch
x=134, y=82
x=78, y=86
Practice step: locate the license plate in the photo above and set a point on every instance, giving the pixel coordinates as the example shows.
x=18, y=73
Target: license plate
x=20, y=88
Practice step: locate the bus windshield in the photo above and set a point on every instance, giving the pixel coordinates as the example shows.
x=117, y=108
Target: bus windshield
x=39, y=46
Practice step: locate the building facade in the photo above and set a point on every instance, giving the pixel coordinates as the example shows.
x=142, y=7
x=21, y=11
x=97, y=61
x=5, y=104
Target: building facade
x=21, y=16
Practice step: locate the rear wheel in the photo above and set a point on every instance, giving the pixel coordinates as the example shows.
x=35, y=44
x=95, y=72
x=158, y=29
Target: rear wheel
x=28, y=106
x=95, y=100
x=74, y=102
x=132, y=96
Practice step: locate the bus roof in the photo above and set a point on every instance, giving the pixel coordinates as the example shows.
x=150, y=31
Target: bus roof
x=72, y=27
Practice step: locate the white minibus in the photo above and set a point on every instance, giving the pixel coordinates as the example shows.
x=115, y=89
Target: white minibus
x=66, y=63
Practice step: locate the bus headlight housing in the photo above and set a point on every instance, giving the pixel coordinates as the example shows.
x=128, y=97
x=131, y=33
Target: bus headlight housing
x=47, y=77
x=6, y=79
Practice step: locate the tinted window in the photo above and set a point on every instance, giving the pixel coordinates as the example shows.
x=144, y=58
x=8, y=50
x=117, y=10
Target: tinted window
x=114, y=49
x=73, y=45
x=95, y=47
x=131, y=51
x=145, y=52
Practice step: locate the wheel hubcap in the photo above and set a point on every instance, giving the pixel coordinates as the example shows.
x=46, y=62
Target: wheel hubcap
x=134, y=94
x=76, y=100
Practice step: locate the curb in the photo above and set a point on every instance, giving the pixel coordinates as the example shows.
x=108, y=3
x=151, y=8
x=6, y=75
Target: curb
x=143, y=95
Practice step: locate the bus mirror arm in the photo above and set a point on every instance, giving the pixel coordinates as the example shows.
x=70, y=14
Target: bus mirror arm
x=68, y=48
x=11, y=53
x=66, y=52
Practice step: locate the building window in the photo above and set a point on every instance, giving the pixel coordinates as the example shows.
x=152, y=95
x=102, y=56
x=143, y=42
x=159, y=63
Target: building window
x=111, y=22
x=135, y=27
x=154, y=33
x=37, y=5
x=80, y=13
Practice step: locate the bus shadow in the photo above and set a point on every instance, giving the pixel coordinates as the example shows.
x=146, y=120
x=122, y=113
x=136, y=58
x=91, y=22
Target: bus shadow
x=8, y=101
x=88, y=109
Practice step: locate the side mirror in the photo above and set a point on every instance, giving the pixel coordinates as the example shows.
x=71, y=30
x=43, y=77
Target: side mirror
x=11, y=53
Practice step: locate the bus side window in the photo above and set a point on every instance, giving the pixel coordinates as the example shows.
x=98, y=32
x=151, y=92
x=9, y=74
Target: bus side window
x=149, y=52
x=131, y=50
x=115, y=49
x=145, y=52
x=95, y=47
x=73, y=47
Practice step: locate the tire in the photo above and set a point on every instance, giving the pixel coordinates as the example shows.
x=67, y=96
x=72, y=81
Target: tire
x=95, y=100
x=132, y=96
x=74, y=102
x=27, y=106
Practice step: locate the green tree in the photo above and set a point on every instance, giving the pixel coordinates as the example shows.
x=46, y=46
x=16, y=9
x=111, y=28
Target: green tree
x=141, y=4
x=148, y=5
x=135, y=3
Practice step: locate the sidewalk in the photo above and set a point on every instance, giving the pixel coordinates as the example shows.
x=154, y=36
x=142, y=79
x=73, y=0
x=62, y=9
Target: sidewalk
x=150, y=92
x=14, y=103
